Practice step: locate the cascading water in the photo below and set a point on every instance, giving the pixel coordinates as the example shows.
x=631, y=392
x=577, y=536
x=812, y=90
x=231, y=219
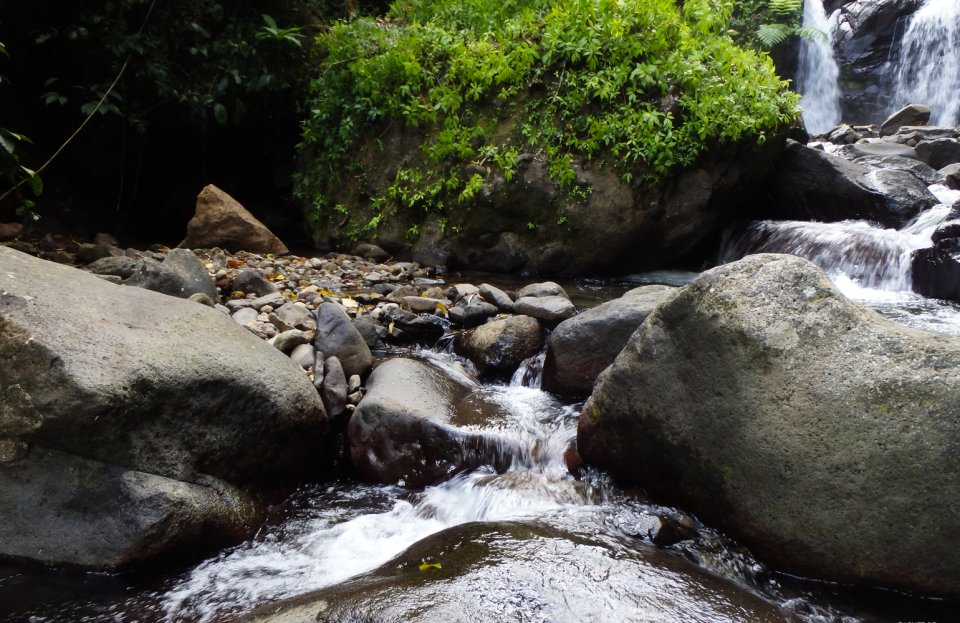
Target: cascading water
x=818, y=73
x=928, y=65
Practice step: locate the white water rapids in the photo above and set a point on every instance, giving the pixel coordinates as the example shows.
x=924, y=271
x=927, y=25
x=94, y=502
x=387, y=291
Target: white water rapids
x=817, y=76
x=928, y=65
x=866, y=262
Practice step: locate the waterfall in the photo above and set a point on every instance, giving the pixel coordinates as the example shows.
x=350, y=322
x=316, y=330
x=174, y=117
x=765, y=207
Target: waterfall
x=928, y=66
x=818, y=73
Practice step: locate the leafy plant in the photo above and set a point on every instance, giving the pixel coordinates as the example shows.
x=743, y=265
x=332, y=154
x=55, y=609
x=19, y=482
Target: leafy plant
x=16, y=175
x=642, y=86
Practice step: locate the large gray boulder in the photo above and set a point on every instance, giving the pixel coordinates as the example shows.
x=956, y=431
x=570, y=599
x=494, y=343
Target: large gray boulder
x=814, y=431
x=580, y=348
x=102, y=374
x=408, y=427
x=809, y=184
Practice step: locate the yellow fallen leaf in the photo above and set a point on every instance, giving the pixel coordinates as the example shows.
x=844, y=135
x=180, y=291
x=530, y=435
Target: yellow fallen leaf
x=429, y=566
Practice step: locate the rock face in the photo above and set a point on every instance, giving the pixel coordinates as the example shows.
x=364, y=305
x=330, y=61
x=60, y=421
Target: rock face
x=738, y=399
x=528, y=572
x=166, y=399
x=220, y=221
x=405, y=428
x=914, y=114
x=809, y=184
x=580, y=348
x=500, y=346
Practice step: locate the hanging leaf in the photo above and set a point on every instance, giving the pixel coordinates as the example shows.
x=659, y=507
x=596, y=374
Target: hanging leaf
x=220, y=113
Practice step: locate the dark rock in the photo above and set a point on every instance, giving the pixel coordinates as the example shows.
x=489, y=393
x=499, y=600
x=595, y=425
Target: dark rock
x=475, y=314
x=424, y=329
x=180, y=274
x=737, y=400
x=462, y=290
x=10, y=231
x=496, y=296
x=75, y=511
x=936, y=270
x=951, y=174
x=921, y=170
x=337, y=337
x=406, y=428
x=939, y=152
x=811, y=185
x=912, y=114
x=123, y=267
x=94, y=252
x=333, y=390
x=549, y=309
x=371, y=331
x=220, y=221
x=580, y=348
x=164, y=386
x=251, y=281
x=498, y=347
x=274, y=300
x=527, y=571
x=371, y=252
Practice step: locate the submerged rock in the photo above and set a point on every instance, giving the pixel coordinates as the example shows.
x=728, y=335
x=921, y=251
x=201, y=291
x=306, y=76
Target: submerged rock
x=514, y=571
x=814, y=431
x=150, y=384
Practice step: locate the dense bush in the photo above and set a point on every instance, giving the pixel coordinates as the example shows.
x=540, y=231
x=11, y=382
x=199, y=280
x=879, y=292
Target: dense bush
x=643, y=86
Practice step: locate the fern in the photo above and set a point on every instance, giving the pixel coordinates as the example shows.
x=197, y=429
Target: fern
x=812, y=34
x=771, y=35
x=786, y=8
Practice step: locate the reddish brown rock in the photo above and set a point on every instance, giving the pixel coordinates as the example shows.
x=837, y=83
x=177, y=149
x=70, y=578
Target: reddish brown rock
x=10, y=231
x=220, y=221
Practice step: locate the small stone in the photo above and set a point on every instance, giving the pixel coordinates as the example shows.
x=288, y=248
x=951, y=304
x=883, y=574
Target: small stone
x=244, y=315
x=546, y=288
x=423, y=305
x=353, y=383
x=251, y=280
x=462, y=290
x=202, y=298
x=304, y=355
x=354, y=398
x=496, y=296
x=333, y=389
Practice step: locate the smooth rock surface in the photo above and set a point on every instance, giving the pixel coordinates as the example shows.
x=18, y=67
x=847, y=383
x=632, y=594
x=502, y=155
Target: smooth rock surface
x=498, y=347
x=580, y=348
x=549, y=309
x=817, y=433
x=337, y=337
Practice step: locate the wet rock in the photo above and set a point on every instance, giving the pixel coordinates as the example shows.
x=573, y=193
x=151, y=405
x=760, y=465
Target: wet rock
x=880, y=149
x=843, y=135
x=496, y=296
x=550, y=309
x=141, y=392
x=921, y=170
x=500, y=346
x=936, y=270
x=524, y=571
x=580, y=348
x=737, y=400
x=474, y=314
x=951, y=174
x=220, y=221
x=334, y=388
x=812, y=185
x=912, y=114
x=252, y=281
x=940, y=152
x=425, y=329
x=337, y=337
x=405, y=428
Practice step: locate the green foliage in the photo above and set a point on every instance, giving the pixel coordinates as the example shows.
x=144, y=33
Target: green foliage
x=641, y=85
x=14, y=174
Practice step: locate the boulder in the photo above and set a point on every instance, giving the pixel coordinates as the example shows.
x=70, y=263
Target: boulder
x=814, y=431
x=936, y=270
x=489, y=572
x=498, y=347
x=10, y=231
x=927, y=174
x=809, y=184
x=549, y=309
x=220, y=221
x=413, y=328
x=496, y=296
x=406, y=427
x=337, y=337
x=149, y=384
x=951, y=174
x=912, y=114
x=180, y=274
x=939, y=152
x=546, y=288
x=580, y=348
x=371, y=252
x=880, y=149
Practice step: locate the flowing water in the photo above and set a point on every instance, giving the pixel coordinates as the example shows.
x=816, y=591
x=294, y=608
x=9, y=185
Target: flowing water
x=928, y=63
x=818, y=73
x=866, y=262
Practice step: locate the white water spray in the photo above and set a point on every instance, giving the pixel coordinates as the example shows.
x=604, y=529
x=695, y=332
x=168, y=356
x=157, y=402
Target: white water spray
x=818, y=73
x=928, y=65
